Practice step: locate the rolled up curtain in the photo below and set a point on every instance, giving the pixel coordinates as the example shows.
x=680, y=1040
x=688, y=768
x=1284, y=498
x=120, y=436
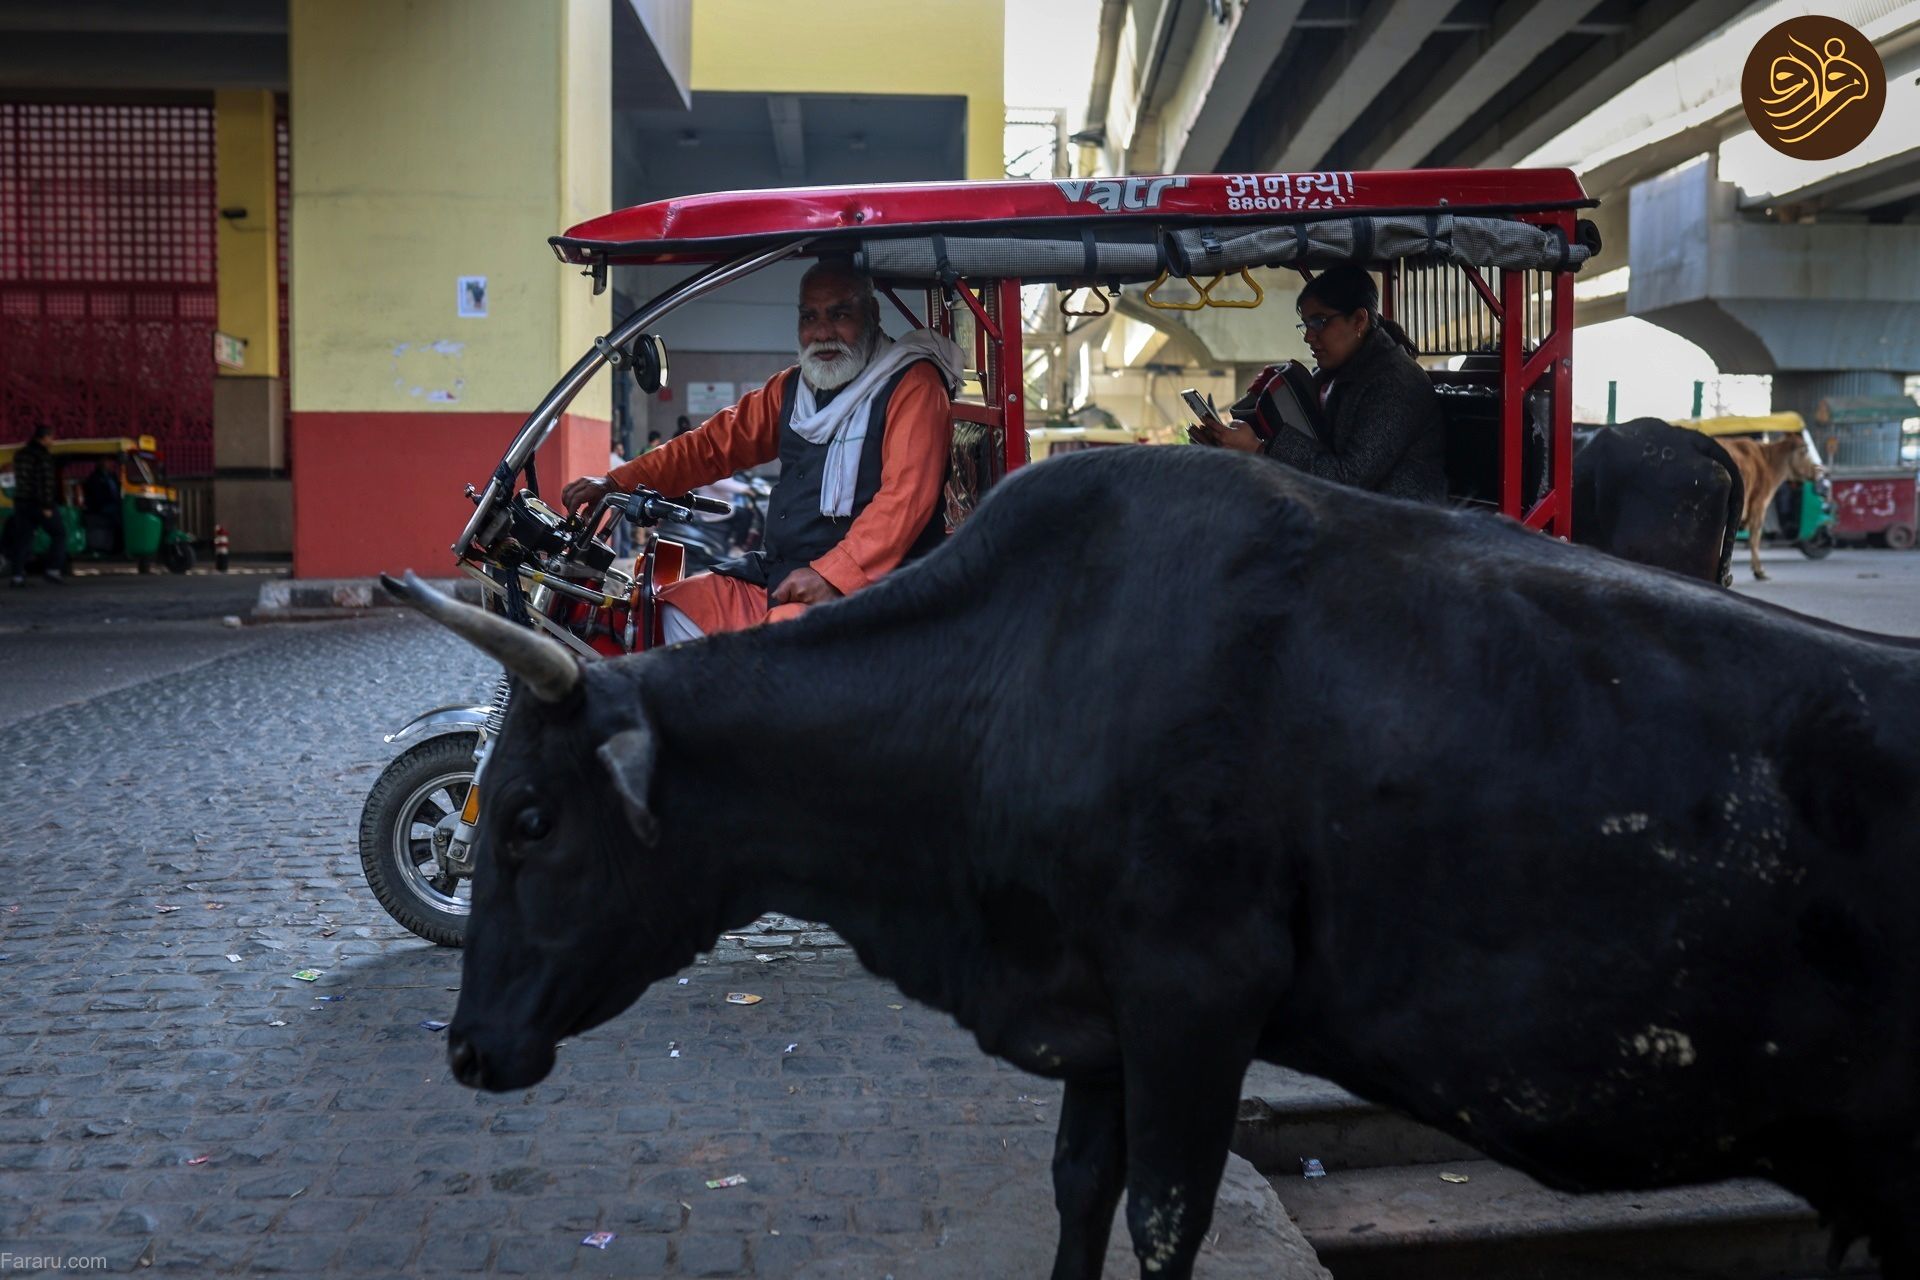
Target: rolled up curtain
x=1095, y=254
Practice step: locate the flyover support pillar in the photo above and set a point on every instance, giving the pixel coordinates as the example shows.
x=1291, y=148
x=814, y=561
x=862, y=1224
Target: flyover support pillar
x=436, y=145
x=1829, y=309
x=1802, y=392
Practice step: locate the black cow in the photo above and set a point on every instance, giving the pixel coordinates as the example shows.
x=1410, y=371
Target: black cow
x=1171, y=759
x=1658, y=494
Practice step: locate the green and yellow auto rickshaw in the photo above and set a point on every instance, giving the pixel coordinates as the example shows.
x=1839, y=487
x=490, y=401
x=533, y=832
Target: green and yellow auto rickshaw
x=115, y=503
x=1801, y=514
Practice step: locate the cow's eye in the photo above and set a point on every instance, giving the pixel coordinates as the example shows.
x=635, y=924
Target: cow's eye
x=531, y=823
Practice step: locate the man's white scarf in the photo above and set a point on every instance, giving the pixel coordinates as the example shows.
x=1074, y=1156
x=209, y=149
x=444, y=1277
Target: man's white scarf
x=842, y=425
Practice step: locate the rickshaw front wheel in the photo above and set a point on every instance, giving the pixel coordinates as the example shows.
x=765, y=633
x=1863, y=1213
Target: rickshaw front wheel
x=1819, y=546
x=409, y=814
x=178, y=556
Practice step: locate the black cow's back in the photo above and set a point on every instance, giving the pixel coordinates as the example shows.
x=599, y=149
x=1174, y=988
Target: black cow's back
x=1659, y=495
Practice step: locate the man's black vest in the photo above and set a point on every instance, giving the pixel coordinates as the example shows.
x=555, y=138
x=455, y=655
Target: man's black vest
x=797, y=532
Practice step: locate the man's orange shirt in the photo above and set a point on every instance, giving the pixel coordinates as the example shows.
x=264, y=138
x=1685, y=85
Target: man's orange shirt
x=913, y=464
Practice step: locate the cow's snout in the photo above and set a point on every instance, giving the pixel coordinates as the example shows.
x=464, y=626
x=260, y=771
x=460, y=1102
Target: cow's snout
x=481, y=1058
x=465, y=1061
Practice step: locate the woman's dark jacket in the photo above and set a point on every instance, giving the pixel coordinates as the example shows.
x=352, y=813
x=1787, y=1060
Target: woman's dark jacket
x=1383, y=427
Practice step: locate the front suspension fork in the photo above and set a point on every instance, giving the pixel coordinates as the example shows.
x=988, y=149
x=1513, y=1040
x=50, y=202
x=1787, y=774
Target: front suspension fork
x=459, y=851
x=458, y=855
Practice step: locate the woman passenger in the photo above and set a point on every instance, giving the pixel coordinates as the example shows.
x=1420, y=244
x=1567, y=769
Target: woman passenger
x=1384, y=430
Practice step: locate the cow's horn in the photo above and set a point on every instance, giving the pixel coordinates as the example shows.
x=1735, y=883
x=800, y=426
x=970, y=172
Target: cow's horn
x=549, y=671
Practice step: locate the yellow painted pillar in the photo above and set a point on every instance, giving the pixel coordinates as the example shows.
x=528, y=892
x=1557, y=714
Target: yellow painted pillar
x=248, y=237
x=252, y=497
x=436, y=144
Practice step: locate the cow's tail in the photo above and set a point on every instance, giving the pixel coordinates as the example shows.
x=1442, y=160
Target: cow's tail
x=1736, y=504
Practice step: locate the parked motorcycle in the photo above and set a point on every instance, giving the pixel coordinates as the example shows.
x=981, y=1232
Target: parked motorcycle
x=553, y=572
x=416, y=828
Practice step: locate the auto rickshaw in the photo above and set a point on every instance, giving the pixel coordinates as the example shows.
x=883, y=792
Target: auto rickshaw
x=1802, y=513
x=137, y=519
x=1476, y=263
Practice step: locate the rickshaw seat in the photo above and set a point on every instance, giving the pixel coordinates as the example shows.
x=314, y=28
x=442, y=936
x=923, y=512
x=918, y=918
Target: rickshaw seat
x=1470, y=411
x=102, y=531
x=973, y=464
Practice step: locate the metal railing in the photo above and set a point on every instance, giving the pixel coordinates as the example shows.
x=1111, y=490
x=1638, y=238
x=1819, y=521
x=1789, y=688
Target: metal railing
x=1447, y=314
x=196, y=507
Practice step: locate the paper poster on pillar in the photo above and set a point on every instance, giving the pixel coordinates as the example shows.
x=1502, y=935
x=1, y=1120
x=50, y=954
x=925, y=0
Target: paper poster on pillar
x=473, y=297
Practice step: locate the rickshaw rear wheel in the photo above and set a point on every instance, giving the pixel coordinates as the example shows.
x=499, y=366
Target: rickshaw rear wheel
x=144, y=564
x=178, y=556
x=1819, y=546
x=417, y=795
x=1900, y=537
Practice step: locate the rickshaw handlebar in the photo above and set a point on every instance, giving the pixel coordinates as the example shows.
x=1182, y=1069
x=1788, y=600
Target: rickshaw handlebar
x=644, y=506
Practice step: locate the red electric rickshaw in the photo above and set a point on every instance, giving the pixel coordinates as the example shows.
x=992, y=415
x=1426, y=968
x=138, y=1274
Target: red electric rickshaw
x=1476, y=265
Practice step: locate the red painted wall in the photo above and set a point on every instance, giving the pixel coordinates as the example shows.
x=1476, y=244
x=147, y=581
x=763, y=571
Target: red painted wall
x=383, y=492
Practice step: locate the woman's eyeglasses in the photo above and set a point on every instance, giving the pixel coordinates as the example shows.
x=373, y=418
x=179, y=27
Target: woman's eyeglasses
x=1314, y=324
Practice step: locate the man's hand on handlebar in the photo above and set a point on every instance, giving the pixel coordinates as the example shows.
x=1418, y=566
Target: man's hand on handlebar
x=585, y=492
x=804, y=586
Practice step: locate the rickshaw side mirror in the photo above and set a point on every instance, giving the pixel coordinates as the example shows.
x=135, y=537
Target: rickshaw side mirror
x=649, y=363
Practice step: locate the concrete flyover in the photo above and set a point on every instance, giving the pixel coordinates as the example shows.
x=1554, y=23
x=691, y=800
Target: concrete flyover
x=1195, y=86
x=1803, y=270
x=1188, y=86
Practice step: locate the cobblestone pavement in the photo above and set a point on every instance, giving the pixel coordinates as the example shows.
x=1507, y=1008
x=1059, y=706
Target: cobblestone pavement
x=171, y=1095
x=98, y=632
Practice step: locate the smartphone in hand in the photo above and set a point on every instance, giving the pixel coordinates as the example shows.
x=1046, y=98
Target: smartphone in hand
x=1202, y=408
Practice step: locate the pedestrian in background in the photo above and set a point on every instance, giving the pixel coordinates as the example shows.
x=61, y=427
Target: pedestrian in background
x=36, y=497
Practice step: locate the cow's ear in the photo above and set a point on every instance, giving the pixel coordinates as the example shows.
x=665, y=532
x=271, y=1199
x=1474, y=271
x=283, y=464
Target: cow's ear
x=628, y=756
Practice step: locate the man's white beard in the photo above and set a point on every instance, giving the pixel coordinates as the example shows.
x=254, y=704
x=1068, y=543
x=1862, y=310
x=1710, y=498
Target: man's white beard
x=831, y=375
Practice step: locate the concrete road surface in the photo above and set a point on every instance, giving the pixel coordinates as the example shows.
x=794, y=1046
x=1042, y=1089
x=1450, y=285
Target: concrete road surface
x=1871, y=590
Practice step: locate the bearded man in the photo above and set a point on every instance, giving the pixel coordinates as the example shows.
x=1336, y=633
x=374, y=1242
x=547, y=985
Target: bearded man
x=861, y=427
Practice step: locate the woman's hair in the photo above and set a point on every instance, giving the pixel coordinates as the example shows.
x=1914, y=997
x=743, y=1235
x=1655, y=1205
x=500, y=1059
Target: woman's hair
x=1348, y=288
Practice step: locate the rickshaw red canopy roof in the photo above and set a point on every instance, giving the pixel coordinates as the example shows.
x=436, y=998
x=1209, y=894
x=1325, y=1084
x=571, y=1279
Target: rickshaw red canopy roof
x=703, y=227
